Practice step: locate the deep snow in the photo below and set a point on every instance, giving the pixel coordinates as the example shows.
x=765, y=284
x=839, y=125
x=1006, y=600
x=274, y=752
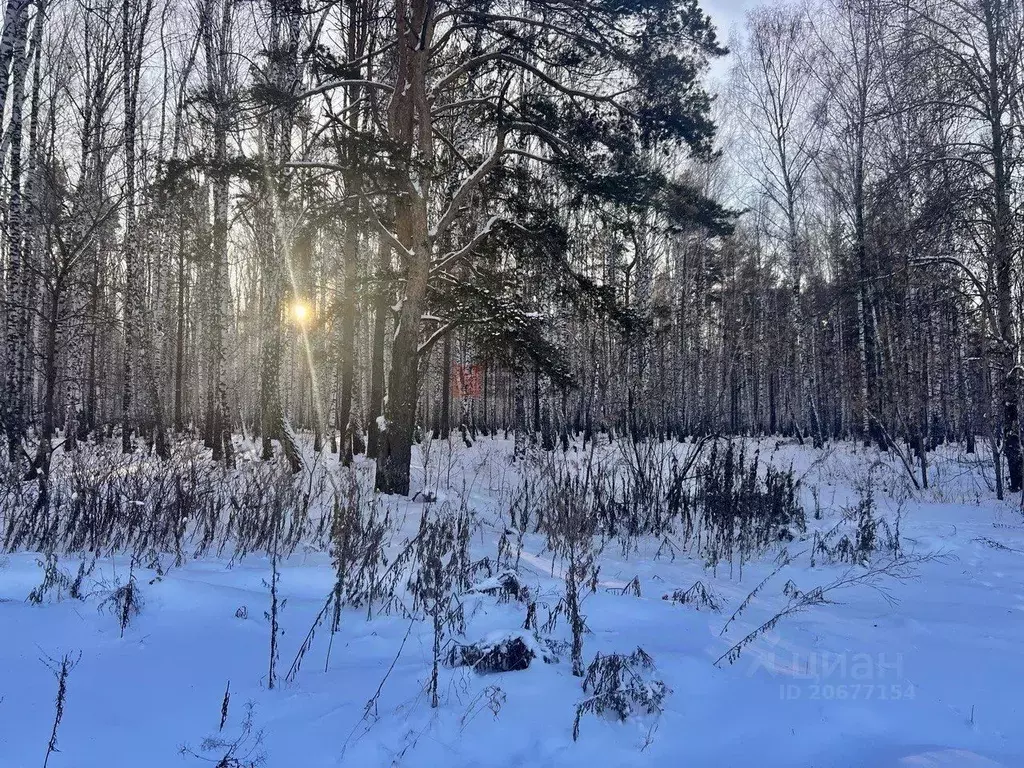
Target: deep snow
x=924, y=670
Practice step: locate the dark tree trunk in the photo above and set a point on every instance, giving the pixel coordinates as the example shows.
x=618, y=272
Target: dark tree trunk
x=380, y=318
x=444, y=424
x=348, y=322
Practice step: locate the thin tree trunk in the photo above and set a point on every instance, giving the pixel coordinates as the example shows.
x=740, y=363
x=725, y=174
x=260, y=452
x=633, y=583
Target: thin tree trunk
x=380, y=317
x=12, y=47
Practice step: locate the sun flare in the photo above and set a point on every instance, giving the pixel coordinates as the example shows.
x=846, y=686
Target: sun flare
x=301, y=313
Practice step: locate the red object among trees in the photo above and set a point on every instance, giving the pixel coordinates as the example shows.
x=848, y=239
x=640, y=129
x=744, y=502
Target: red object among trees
x=466, y=381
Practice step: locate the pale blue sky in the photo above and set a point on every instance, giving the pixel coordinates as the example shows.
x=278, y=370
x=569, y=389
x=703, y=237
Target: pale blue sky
x=726, y=14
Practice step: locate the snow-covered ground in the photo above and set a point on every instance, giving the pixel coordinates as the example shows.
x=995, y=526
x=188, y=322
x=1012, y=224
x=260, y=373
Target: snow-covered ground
x=919, y=666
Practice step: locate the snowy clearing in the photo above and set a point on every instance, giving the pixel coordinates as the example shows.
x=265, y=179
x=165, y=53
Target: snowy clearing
x=912, y=660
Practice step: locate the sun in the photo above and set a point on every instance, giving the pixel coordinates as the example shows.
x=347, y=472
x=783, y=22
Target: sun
x=300, y=312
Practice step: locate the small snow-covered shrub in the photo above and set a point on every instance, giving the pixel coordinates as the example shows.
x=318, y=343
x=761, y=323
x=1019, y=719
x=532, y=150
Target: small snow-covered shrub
x=492, y=698
x=244, y=750
x=61, y=670
x=56, y=581
x=857, y=537
x=523, y=508
x=124, y=602
x=743, y=506
x=867, y=525
x=503, y=652
x=632, y=587
x=439, y=571
x=509, y=655
x=621, y=687
x=700, y=595
x=572, y=525
x=505, y=586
